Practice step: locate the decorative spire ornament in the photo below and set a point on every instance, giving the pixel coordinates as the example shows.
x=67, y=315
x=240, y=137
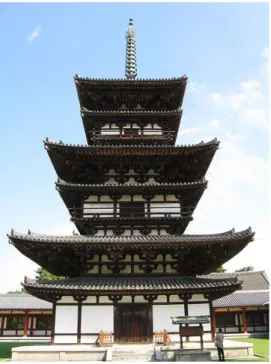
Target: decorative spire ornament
x=130, y=65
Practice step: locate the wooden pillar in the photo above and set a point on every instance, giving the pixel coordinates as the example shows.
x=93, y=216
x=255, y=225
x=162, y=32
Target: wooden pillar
x=2, y=325
x=79, y=299
x=26, y=317
x=53, y=323
x=244, y=320
x=213, y=322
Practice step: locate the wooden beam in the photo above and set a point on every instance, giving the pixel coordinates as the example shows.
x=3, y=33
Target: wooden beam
x=244, y=320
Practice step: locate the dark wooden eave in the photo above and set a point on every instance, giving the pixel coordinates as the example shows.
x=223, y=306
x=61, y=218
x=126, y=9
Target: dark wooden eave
x=106, y=94
x=86, y=164
x=68, y=255
x=73, y=194
x=116, y=288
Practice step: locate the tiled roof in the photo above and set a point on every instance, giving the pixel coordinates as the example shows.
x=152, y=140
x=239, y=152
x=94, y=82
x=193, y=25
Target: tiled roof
x=128, y=149
x=23, y=302
x=243, y=299
x=251, y=280
x=230, y=236
x=136, y=82
x=135, y=284
x=133, y=112
x=147, y=185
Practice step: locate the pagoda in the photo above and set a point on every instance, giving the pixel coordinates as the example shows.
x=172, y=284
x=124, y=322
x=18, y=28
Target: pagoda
x=131, y=194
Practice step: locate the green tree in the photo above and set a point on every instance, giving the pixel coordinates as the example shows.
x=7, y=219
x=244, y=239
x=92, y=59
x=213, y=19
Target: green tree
x=220, y=269
x=44, y=275
x=246, y=269
x=16, y=292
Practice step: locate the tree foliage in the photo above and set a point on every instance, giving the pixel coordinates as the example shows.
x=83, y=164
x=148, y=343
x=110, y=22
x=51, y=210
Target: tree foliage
x=246, y=269
x=220, y=269
x=44, y=275
x=16, y=292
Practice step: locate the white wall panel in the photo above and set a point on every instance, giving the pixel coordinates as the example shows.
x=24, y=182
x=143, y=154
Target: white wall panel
x=66, y=319
x=97, y=318
x=161, y=317
x=65, y=339
x=199, y=309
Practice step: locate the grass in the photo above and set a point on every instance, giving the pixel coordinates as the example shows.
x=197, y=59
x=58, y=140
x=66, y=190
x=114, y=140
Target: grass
x=5, y=348
x=260, y=345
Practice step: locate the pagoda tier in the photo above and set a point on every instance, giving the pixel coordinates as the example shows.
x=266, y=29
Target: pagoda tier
x=117, y=288
x=98, y=164
x=143, y=207
x=114, y=94
x=131, y=126
x=162, y=255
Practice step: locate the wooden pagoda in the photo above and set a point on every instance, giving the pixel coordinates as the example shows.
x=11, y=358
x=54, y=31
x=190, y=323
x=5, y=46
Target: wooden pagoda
x=131, y=194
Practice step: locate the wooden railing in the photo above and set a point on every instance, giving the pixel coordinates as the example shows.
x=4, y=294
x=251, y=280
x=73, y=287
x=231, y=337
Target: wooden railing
x=105, y=338
x=162, y=337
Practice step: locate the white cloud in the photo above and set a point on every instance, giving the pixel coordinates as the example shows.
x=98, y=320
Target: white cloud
x=249, y=103
x=215, y=123
x=35, y=34
x=189, y=131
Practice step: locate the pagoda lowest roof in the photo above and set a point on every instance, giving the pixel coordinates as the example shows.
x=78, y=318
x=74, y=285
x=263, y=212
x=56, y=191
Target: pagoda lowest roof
x=227, y=236
x=115, y=286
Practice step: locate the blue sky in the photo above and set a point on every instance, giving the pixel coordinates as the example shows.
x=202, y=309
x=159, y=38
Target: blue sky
x=221, y=47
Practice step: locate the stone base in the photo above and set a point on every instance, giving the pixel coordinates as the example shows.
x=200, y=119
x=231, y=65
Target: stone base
x=193, y=356
x=60, y=353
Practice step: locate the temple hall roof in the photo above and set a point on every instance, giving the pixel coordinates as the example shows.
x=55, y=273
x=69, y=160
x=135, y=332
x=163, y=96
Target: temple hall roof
x=22, y=302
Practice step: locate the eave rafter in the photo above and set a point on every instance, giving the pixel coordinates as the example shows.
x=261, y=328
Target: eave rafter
x=53, y=290
x=73, y=194
x=98, y=94
x=86, y=164
x=192, y=254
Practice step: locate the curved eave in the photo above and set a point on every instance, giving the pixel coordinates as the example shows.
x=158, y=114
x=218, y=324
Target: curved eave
x=100, y=114
x=52, y=290
x=127, y=149
x=204, y=253
x=130, y=82
x=74, y=187
x=18, y=239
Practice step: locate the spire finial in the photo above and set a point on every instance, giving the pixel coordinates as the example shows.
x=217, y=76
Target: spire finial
x=130, y=65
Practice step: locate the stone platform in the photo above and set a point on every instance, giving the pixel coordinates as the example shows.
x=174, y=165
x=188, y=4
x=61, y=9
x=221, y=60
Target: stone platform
x=55, y=353
x=193, y=356
x=128, y=353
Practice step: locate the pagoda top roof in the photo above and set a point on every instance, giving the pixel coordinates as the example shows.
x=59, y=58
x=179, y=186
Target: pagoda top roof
x=227, y=236
x=131, y=82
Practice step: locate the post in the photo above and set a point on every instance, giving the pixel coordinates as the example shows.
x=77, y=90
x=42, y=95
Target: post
x=244, y=320
x=26, y=323
x=213, y=323
x=53, y=323
x=201, y=339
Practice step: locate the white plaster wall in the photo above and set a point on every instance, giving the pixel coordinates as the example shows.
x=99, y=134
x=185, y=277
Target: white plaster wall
x=198, y=297
x=65, y=339
x=175, y=298
x=66, y=319
x=88, y=339
x=65, y=299
x=161, y=316
x=97, y=318
x=199, y=309
x=162, y=298
x=171, y=208
x=106, y=210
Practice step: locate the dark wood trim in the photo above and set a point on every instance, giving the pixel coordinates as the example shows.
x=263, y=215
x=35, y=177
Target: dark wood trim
x=53, y=323
x=79, y=322
x=26, y=318
x=244, y=321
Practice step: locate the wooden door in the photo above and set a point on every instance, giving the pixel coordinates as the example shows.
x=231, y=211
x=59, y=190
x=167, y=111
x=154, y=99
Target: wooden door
x=133, y=323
